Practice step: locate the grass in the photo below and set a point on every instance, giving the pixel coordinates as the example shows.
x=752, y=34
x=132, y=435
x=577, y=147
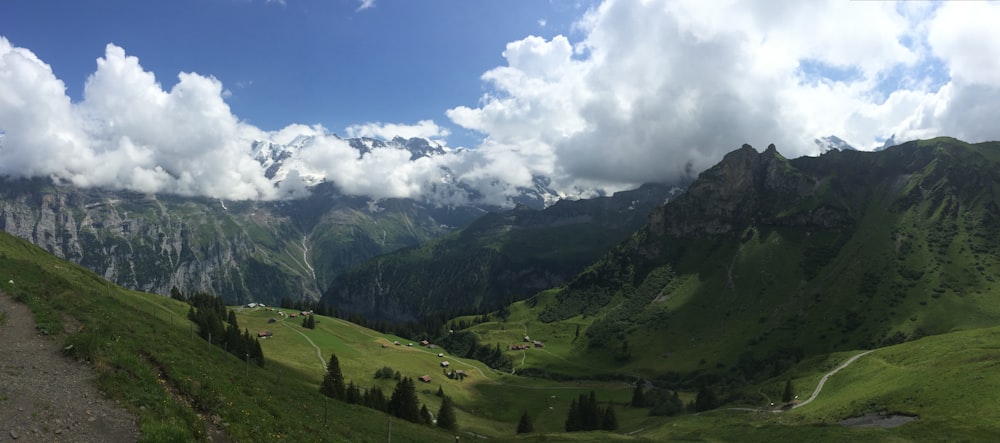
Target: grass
x=143, y=350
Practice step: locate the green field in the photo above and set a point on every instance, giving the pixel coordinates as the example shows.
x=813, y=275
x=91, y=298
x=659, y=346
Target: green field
x=146, y=355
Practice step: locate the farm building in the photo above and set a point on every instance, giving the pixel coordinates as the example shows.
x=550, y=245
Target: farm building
x=425, y=378
x=264, y=334
x=424, y=342
x=445, y=364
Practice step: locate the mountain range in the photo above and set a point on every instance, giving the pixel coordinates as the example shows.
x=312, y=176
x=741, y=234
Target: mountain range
x=260, y=251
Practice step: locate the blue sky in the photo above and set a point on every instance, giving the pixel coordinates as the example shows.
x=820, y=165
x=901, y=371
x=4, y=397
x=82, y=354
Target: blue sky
x=301, y=61
x=597, y=96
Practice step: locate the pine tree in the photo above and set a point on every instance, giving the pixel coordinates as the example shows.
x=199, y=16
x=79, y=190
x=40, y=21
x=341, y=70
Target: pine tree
x=403, y=403
x=789, y=393
x=446, y=415
x=638, y=398
x=573, y=417
x=333, y=381
x=610, y=420
x=353, y=394
x=705, y=400
x=426, y=415
x=440, y=392
x=524, y=426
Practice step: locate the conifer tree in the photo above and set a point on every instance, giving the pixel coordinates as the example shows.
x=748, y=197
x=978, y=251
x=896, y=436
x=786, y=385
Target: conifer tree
x=333, y=381
x=573, y=417
x=524, y=426
x=789, y=393
x=638, y=398
x=610, y=420
x=425, y=414
x=705, y=399
x=446, y=415
x=403, y=403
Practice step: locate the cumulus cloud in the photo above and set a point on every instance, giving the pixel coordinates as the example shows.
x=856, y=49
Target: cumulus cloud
x=649, y=91
x=365, y=4
x=658, y=88
x=386, y=131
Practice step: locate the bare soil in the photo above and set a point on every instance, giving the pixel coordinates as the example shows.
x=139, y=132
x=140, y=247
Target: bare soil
x=46, y=397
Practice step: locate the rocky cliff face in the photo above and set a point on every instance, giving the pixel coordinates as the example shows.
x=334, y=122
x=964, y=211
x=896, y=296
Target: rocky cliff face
x=244, y=251
x=748, y=187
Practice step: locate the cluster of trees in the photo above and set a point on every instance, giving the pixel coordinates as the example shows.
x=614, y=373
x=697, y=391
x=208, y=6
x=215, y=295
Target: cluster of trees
x=388, y=373
x=309, y=322
x=660, y=401
x=207, y=312
x=403, y=402
x=465, y=344
x=585, y=415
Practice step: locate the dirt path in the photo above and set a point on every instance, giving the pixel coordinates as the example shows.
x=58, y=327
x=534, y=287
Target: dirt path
x=47, y=397
x=319, y=354
x=822, y=381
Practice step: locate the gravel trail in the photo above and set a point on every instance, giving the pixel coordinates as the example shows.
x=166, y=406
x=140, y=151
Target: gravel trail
x=45, y=397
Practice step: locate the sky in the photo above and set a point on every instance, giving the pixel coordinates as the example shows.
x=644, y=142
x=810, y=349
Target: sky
x=598, y=96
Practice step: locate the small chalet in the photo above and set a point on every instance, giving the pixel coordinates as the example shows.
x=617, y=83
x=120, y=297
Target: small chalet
x=293, y=315
x=264, y=334
x=396, y=342
x=425, y=378
x=272, y=320
x=460, y=373
x=424, y=342
x=445, y=364
x=519, y=347
x=538, y=344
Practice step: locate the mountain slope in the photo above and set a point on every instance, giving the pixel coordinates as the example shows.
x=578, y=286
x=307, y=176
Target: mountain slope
x=498, y=258
x=765, y=260
x=244, y=251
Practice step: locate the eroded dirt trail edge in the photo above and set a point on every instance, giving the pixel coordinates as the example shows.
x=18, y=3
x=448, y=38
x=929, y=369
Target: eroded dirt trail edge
x=47, y=397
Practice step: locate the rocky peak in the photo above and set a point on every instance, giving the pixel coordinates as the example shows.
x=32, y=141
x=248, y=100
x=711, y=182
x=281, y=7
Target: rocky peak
x=744, y=189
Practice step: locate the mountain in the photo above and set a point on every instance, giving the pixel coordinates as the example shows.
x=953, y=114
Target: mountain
x=245, y=251
x=765, y=260
x=500, y=257
x=833, y=143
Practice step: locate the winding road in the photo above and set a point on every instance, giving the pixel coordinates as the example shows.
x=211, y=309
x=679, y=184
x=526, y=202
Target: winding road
x=822, y=381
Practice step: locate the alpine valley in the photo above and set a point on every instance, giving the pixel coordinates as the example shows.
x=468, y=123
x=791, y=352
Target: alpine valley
x=849, y=296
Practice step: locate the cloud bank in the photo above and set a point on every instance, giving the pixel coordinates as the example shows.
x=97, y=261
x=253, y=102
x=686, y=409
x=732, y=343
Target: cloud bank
x=651, y=91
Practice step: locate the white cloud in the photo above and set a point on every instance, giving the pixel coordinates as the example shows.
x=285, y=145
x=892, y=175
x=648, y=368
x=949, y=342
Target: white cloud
x=658, y=88
x=651, y=90
x=365, y=4
x=386, y=131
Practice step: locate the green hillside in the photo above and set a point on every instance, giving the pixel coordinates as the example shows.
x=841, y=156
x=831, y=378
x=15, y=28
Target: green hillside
x=499, y=258
x=147, y=356
x=765, y=261
x=144, y=350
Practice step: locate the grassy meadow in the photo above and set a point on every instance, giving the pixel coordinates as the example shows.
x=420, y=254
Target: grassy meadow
x=143, y=349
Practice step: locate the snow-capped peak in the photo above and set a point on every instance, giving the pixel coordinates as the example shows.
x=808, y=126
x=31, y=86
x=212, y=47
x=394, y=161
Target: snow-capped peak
x=833, y=143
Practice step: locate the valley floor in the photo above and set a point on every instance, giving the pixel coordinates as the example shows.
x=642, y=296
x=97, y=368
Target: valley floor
x=47, y=397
